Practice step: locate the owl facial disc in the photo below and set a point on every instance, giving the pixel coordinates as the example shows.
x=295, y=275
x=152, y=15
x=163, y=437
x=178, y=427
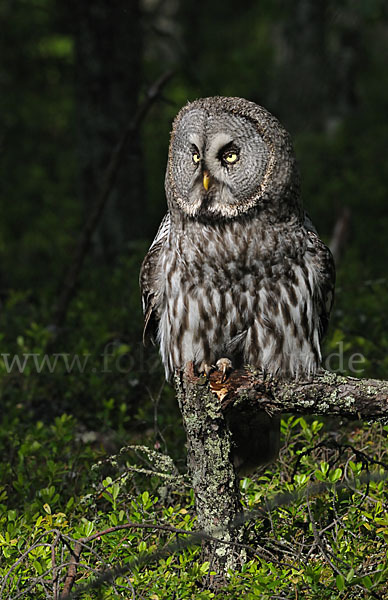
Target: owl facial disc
x=225, y=158
x=218, y=163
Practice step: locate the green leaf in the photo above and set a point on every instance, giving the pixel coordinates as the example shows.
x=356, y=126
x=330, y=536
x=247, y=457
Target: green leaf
x=70, y=503
x=367, y=582
x=88, y=528
x=39, y=520
x=205, y=567
x=335, y=475
x=38, y=567
x=340, y=581
x=115, y=490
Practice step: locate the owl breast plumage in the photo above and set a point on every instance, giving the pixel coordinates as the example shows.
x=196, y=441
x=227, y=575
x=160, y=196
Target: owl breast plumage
x=235, y=270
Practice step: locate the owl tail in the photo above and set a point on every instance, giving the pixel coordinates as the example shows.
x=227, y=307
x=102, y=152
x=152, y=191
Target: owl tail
x=256, y=440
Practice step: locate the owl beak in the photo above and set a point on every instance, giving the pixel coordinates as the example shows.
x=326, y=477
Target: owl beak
x=206, y=180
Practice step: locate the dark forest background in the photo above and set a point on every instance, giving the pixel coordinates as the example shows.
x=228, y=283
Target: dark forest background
x=73, y=76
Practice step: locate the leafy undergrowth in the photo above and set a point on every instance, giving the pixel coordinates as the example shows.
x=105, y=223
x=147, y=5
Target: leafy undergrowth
x=73, y=494
x=126, y=511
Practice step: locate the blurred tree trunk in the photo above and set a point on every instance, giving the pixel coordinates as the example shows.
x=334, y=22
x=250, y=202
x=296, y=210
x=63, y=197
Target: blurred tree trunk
x=108, y=44
x=303, y=74
x=318, y=55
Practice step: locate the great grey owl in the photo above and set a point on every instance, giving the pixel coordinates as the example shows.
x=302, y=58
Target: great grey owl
x=237, y=273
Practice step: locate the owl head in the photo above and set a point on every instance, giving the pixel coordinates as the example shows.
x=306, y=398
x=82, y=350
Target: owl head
x=228, y=156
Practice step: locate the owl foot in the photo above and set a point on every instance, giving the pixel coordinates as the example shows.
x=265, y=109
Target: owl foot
x=205, y=368
x=224, y=365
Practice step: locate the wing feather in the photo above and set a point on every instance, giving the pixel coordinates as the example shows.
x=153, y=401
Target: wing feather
x=149, y=282
x=326, y=279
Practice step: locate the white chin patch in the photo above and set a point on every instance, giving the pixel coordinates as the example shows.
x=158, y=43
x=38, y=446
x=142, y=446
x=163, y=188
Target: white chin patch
x=216, y=209
x=190, y=208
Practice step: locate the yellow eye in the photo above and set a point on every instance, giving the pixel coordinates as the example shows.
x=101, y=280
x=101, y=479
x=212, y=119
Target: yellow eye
x=196, y=157
x=230, y=157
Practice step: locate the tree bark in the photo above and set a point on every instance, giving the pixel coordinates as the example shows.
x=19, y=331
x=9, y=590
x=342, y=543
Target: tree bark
x=325, y=394
x=215, y=483
x=207, y=406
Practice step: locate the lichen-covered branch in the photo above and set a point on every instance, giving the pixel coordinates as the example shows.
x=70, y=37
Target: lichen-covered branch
x=324, y=394
x=209, y=405
x=210, y=465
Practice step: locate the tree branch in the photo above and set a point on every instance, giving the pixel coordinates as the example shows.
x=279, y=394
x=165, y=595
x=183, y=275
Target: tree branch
x=209, y=461
x=241, y=398
x=324, y=394
x=83, y=542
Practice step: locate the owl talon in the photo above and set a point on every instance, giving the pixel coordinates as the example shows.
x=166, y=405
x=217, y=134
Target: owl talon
x=224, y=365
x=205, y=368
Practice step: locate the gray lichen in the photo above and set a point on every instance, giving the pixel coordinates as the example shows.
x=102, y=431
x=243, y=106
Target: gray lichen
x=210, y=465
x=348, y=401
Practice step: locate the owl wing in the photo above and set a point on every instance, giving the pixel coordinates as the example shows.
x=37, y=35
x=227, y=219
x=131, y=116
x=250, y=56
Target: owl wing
x=149, y=286
x=325, y=268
